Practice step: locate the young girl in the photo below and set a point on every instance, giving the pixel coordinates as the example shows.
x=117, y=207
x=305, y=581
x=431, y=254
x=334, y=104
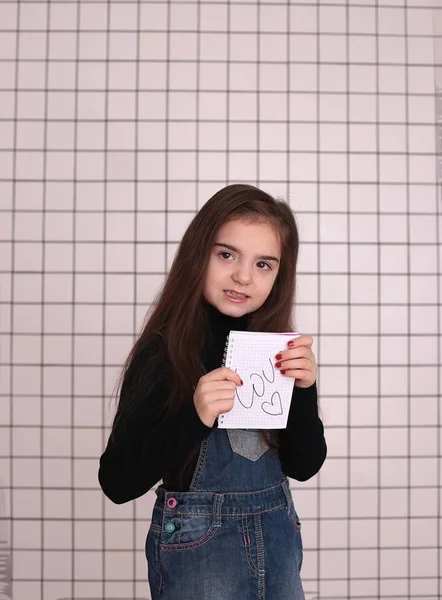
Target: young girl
x=224, y=526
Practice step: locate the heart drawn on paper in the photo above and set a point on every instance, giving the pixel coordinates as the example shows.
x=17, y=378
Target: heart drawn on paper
x=274, y=407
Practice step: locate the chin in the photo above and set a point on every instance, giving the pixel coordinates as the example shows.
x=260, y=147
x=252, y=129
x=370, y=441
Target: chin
x=234, y=310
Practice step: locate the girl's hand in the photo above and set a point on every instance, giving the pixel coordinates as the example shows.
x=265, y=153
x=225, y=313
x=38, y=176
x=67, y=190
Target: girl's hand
x=215, y=394
x=298, y=361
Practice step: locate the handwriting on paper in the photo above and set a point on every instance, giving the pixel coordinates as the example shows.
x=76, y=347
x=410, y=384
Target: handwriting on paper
x=247, y=397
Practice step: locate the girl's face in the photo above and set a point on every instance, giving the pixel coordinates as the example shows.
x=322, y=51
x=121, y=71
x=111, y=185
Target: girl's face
x=243, y=266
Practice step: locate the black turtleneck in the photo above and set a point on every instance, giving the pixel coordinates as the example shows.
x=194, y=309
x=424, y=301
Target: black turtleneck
x=146, y=448
x=219, y=327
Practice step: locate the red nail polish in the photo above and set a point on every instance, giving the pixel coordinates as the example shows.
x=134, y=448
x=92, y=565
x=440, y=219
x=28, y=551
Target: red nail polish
x=278, y=356
x=242, y=382
x=282, y=372
x=277, y=365
x=291, y=344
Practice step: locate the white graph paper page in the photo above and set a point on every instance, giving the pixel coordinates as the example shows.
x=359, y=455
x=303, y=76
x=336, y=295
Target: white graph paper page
x=263, y=402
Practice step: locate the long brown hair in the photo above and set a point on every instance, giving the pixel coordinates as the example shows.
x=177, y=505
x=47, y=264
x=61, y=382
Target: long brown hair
x=178, y=313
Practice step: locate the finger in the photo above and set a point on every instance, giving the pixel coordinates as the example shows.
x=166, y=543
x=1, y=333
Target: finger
x=214, y=394
x=228, y=391
x=223, y=406
x=212, y=384
x=303, y=340
x=300, y=352
x=297, y=373
x=298, y=363
x=228, y=400
x=225, y=384
x=223, y=373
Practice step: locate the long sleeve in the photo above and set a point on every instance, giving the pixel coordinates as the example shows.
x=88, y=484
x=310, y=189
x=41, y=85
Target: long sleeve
x=143, y=446
x=302, y=446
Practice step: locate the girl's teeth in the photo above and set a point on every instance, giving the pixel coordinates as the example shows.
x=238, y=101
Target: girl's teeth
x=236, y=295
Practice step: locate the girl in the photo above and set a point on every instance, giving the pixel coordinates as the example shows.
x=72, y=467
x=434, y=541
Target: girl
x=224, y=526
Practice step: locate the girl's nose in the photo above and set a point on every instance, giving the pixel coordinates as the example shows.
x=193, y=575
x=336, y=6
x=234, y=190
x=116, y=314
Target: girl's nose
x=242, y=276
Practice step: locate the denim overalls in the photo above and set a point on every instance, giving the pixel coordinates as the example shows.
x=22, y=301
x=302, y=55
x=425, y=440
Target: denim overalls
x=235, y=534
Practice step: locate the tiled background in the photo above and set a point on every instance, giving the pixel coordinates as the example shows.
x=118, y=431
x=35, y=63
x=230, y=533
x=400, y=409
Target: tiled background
x=117, y=121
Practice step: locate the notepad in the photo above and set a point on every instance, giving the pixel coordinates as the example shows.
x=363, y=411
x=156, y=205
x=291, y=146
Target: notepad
x=263, y=402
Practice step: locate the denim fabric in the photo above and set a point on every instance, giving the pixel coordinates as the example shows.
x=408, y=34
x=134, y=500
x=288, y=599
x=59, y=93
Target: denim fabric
x=234, y=536
x=219, y=469
x=249, y=443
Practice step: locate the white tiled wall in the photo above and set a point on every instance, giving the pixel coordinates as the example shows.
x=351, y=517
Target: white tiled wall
x=117, y=121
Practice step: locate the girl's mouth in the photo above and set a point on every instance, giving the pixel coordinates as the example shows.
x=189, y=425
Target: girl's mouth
x=235, y=296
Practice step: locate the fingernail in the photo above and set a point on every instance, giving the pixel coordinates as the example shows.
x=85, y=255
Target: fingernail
x=291, y=344
x=242, y=382
x=282, y=372
x=278, y=364
x=278, y=356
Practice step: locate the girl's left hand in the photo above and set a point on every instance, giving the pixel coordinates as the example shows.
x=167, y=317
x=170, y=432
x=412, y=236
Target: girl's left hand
x=298, y=361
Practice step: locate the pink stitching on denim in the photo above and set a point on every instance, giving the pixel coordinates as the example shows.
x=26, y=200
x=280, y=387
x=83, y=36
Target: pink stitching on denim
x=204, y=448
x=234, y=514
x=192, y=545
x=297, y=526
x=247, y=547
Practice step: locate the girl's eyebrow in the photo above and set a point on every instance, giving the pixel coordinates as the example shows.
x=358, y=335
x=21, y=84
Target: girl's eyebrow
x=230, y=247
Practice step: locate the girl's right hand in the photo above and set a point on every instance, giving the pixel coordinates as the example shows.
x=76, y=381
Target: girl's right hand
x=215, y=394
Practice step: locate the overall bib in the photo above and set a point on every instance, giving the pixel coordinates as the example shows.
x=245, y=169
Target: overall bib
x=235, y=534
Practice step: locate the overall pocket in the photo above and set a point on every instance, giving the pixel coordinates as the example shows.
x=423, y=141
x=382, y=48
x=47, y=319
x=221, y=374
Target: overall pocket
x=188, y=528
x=291, y=511
x=294, y=518
x=248, y=443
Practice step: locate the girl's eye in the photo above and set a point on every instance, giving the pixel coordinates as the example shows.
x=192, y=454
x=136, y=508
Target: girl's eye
x=228, y=254
x=265, y=264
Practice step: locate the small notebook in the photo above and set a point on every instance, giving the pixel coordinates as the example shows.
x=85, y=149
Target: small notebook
x=263, y=402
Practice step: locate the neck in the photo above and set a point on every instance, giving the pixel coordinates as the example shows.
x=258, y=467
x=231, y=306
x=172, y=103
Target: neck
x=219, y=321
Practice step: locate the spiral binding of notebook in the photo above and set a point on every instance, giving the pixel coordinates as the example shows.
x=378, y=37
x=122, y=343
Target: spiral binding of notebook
x=227, y=360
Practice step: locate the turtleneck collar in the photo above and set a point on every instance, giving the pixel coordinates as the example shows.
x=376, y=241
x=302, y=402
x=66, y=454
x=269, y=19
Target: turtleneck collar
x=221, y=322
